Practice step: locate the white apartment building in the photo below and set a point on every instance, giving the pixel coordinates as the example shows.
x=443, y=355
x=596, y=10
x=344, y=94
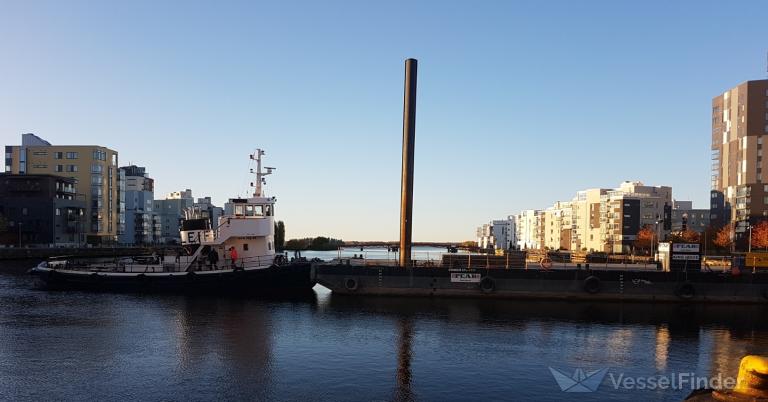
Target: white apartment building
x=529, y=229
x=498, y=234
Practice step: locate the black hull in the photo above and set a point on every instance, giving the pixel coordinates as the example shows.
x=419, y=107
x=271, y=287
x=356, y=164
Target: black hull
x=571, y=285
x=293, y=277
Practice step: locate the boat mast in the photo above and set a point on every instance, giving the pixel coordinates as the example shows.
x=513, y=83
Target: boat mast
x=260, y=181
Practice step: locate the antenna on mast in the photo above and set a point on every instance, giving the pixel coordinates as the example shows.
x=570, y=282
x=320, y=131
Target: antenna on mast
x=260, y=181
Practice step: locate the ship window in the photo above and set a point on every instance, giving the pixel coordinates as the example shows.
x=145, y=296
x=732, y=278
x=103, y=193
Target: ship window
x=249, y=210
x=258, y=210
x=245, y=246
x=239, y=210
x=269, y=210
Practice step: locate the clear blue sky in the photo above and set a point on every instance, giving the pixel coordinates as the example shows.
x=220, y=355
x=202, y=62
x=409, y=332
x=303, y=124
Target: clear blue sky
x=520, y=104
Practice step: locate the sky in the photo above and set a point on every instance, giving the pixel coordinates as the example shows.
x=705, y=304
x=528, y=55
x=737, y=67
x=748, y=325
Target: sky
x=520, y=103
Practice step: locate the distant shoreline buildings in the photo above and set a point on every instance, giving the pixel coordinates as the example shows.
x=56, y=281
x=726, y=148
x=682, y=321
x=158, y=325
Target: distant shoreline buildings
x=608, y=220
x=74, y=195
x=595, y=220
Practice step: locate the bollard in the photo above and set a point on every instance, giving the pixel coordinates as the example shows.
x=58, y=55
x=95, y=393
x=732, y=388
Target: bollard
x=751, y=384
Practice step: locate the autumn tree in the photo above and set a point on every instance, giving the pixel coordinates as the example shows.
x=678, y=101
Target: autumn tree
x=645, y=238
x=723, y=237
x=686, y=236
x=760, y=235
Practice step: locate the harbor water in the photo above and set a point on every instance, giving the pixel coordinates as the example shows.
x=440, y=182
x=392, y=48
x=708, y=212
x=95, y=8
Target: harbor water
x=101, y=346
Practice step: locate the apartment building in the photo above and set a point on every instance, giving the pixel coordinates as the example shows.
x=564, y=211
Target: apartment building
x=529, y=229
x=497, y=234
x=684, y=216
x=94, y=172
x=600, y=219
x=557, y=225
x=141, y=223
x=170, y=212
x=41, y=210
x=739, y=128
x=585, y=220
x=630, y=207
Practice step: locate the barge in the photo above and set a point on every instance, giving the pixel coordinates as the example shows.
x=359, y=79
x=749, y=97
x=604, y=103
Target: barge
x=622, y=285
x=681, y=279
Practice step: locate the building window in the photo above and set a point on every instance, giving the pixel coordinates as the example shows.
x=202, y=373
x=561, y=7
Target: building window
x=245, y=246
x=58, y=212
x=40, y=166
x=59, y=168
x=97, y=168
x=41, y=153
x=24, y=211
x=71, y=155
x=71, y=168
x=58, y=155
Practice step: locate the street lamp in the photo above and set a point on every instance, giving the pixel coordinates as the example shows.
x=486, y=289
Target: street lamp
x=20, y=234
x=749, y=245
x=655, y=235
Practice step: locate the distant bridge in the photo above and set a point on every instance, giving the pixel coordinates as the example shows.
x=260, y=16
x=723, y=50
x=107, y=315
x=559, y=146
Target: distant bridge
x=384, y=244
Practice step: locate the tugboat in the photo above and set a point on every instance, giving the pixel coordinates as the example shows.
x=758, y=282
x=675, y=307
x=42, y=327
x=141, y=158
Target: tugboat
x=237, y=256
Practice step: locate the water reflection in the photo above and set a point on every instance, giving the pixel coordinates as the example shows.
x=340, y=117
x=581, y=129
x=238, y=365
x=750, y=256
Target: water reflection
x=684, y=320
x=662, y=347
x=404, y=393
x=72, y=345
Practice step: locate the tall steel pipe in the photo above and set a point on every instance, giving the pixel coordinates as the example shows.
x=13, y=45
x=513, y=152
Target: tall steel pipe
x=406, y=183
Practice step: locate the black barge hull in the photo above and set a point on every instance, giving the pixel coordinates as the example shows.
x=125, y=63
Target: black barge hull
x=588, y=285
x=277, y=278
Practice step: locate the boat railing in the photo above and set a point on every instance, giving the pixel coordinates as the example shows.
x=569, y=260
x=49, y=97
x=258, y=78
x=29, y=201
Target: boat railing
x=147, y=264
x=513, y=260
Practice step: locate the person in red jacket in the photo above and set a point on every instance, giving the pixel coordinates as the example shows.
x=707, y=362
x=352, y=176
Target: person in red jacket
x=233, y=256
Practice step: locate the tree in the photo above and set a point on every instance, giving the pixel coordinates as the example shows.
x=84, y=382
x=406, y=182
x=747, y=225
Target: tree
x=686, y=236
x=645, y=238
x=297, y=244
x=723, y=237
x=279, y=235
x=760, y=235
x=318, y=243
